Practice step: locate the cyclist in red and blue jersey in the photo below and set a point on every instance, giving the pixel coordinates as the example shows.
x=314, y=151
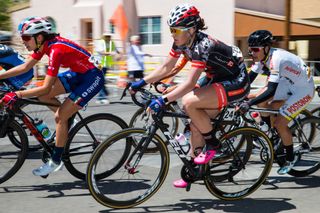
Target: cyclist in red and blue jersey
x=10, y=58
x=227, y=79
x=83, y=81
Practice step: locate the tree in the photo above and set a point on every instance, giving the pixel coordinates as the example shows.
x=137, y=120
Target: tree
x=5, y=23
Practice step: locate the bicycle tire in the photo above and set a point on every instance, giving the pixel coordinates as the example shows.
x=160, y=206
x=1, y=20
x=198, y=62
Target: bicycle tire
x=115, y=191
x=233, y=187
x=10, y=154
x=308, y=160
x=173, y=123
x=316, y=112
x=81, y=144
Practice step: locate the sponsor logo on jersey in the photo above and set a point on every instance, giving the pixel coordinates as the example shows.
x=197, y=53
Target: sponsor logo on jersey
x=293, y=71
x=300, y=103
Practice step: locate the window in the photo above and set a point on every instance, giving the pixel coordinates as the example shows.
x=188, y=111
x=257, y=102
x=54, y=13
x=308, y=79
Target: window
x=150, y=30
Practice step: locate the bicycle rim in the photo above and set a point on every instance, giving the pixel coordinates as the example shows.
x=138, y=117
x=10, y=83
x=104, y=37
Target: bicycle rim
x=126, y=186
x=11, y=156
x=241, y=171
x=85, y=137
x=308, y=157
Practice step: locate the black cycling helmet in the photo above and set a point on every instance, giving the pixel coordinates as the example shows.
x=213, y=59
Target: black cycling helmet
x=260, y=38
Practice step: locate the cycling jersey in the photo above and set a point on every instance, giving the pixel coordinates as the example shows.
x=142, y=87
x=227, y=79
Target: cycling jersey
x=10, y=58
x=64, y=53
x=218, y=59
x=295, y=85
x=223, y=64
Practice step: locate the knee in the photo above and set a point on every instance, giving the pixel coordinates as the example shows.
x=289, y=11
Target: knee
x=187, y=102
x=59, y=118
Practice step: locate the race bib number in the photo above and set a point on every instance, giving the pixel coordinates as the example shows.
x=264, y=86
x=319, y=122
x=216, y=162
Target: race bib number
x=229, y=114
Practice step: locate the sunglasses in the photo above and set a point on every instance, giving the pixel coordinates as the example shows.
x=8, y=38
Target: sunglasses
x=178, y=31
x=255, y=49
x=26, y=37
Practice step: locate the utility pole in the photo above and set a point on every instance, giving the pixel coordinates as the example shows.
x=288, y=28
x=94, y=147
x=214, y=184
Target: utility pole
x=287, y=32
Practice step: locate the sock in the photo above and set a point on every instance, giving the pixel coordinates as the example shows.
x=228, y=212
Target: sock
x=289, y=152
x=57, y=154
x=210, y=138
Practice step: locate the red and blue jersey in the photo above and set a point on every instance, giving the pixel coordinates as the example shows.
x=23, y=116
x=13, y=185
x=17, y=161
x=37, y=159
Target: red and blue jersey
x=64, y=53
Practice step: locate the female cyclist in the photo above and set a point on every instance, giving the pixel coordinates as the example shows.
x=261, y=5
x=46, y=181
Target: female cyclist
x=224, y=67
x=83, y=81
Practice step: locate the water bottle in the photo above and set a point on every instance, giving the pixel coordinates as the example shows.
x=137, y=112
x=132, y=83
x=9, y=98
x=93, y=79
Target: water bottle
x=262, y=125
x=183, y=140
x=42, y=128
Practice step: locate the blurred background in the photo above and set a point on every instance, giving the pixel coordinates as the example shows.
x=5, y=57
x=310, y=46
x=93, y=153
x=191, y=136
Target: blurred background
x=294, y=23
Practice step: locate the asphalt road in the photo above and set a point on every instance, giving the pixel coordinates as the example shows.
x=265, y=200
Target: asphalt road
x=61, y=192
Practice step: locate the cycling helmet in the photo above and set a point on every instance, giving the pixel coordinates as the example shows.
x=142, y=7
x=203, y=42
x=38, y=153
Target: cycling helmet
x=35, y=25
x=184, y=15
x=260, y=38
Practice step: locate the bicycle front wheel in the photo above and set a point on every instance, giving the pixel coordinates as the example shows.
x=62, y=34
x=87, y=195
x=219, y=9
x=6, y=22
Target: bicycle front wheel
x=12, y=157
x=132, y=178
x=306, y=142
x=243, y=166
x=85, y=136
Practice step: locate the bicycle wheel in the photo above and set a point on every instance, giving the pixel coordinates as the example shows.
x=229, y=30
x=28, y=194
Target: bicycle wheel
x=306, y=142
x=11, y=156
x=316, y=112
x=85, y=136
x=240, y=172
x=133, y=178
x=137, y=121
x=40, y=112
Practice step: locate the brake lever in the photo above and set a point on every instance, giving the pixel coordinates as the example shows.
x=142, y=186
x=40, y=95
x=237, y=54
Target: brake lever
x=124, y=93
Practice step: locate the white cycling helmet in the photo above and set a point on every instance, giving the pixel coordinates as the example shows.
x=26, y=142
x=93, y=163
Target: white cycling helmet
x=184, y=15
x=35, y=25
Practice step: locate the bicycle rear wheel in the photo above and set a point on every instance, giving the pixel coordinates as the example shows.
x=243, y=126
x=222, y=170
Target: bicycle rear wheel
x=132, y=178
x=306, y=142
x=11, y=156
x=85, y=136
x=240, y=171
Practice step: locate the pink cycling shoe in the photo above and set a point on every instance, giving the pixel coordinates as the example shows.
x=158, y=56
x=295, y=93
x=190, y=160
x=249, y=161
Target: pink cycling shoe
x=204, y=158
x=180, y=183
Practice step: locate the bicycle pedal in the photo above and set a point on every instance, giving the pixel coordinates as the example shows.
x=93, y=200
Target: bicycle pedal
x=188, y=187
x=44, y=176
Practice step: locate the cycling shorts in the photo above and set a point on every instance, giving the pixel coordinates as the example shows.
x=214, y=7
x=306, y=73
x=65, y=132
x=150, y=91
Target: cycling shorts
x=82, y=86
x=229, y=91
x=296, y=97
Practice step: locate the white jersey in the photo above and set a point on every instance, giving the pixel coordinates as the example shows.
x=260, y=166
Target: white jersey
x=283, y=64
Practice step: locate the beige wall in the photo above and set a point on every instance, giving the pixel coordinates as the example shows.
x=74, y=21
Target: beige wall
x=305, y=9
x=218, y=15
x=267, y=6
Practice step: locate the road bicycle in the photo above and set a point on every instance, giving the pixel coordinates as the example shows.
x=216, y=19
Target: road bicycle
x=134, y=175
x=306, y=142
x=83, y=138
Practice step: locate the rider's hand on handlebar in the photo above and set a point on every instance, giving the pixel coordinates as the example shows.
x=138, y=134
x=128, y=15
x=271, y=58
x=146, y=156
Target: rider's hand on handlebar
x=137, y=85
x=9, y=99
x=156, y=105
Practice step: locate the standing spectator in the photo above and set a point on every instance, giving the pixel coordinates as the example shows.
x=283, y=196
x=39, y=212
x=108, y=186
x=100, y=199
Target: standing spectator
x=105, y=50
x=135, y=60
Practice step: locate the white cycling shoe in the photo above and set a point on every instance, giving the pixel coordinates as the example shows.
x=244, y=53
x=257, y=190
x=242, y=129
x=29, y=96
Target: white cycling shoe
x=47, y=168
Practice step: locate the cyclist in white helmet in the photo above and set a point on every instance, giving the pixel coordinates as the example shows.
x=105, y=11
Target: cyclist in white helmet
x=290, y=87
x=227, y=79
x=83, y=81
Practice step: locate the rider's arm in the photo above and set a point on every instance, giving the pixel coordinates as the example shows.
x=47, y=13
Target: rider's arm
x=177, y=68
x=268, y=93
x=186, y=86
x=161, y=72
x=20, y=69
x=252, y=76
x=38, y=91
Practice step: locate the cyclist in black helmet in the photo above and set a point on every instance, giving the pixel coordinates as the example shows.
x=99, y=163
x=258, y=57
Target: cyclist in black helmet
x=290, y=87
